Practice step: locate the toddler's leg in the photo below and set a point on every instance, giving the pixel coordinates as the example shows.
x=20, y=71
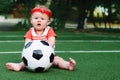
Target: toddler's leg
x=61, y=63
x=15, y=66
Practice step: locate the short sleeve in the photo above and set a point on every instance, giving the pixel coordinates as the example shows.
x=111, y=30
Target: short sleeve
x=28, y=35
x=51, y=33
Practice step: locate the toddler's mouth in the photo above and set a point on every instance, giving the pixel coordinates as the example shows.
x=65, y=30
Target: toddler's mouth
x=38, y=24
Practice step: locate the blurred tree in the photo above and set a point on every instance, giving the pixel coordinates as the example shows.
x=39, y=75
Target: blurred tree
x=112, y=7
x=61, y=11
x=6, y=6
x=87, y=7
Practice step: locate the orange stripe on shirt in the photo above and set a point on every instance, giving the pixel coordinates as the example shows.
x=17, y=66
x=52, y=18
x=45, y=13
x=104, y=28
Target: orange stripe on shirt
x=29, y=35
x=40, y=38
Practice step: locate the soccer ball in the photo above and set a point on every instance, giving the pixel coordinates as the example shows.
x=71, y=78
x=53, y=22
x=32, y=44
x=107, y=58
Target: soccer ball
x=37, y=56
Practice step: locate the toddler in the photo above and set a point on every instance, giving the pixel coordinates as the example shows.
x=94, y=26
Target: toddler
x=40, y=18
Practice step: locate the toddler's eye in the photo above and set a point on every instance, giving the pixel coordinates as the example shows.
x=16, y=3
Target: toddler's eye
x=36, y=18
x=42, y=19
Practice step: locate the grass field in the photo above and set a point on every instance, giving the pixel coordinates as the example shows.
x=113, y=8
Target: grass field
x=97, y=57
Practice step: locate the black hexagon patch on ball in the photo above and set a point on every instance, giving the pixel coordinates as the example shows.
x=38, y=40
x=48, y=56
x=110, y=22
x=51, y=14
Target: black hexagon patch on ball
x=51, y=58
x=44, y=43
x=39, y=69
x=37, y=54
x=28, y=45
x=25, y=61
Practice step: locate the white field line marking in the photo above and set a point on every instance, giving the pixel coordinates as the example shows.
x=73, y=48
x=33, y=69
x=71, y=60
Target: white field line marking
x=11, y=36
x=9, y=41
x=82, y=51
x=2, y=41
x=67, y=35
x=88, y=41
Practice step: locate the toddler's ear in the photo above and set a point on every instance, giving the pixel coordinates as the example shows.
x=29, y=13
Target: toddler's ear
x=48, y=22
x=30, y=20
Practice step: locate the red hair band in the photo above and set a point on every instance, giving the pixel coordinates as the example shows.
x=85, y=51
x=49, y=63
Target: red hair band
x=42, y=10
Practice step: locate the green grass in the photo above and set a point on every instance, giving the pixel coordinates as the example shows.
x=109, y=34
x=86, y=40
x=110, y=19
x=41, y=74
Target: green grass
x=90, y=66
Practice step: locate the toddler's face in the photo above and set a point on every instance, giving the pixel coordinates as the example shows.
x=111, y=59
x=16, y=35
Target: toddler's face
x=39, y=20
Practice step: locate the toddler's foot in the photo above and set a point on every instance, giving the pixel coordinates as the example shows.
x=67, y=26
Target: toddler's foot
x=72, y=64
x=13, y=66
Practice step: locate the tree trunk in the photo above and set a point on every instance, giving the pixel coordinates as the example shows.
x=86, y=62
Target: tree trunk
x=81, y=18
